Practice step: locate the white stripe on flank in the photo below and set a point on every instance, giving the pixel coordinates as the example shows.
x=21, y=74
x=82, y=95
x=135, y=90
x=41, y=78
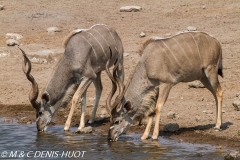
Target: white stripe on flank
x=197, y=47
x=171, y=52
x=101, y=36
x=173, y=79
x=211, y=50
x=182, y=50
x=110, y=34
x=91, y=46
x=98, y=43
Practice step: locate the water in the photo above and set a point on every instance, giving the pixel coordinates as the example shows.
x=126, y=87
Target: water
x=21, y=141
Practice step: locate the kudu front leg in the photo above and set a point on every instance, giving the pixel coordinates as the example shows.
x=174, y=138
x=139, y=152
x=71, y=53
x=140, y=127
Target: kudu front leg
x=148, y=128
x=83, y=108
x=81, y=89
x=164, y=90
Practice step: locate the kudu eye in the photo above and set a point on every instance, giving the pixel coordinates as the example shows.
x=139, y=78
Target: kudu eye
x=116, y=122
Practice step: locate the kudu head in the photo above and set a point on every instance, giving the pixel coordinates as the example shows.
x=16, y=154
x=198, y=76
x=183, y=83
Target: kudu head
x=43, y=110
x=120, y=120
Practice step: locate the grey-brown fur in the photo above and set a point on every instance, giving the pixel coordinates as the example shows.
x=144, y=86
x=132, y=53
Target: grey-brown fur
x=165, y=62
x=85, y=56
x=148, y=105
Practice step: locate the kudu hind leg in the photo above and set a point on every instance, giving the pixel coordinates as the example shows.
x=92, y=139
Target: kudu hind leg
x=81, y=89
x=213, y=85
x=98, y=85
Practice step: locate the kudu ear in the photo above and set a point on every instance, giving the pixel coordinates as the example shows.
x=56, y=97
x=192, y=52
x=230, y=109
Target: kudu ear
x=46, y=97
x=127, y=106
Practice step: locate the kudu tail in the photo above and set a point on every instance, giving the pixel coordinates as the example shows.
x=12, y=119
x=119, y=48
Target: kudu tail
x=220, y=72
x=220, y=67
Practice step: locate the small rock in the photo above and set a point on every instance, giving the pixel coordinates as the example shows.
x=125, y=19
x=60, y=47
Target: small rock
x=203, y=7
x=197, y=131
x=208, y=112
x=14, y=36
x=104, y=113
x=1, y=7
x=142, y=34
x=171, y=127
x=38, y=60
x=238, y=132
x=29, y=122
x=91, y=99
x=198, y=154
x=167, y=35
x=52, y=30
x=238, y=94
x=130, y=9
x=23, y=118
x=8, y=120
x=197, y=118
x=3, y=54
x=126, y=54
x=236, y=104
x=171, y=115
x=235, y=155
x=191, y=28
x=223, y=111
x=195, y=84
x=12, y=42
x=85, y=130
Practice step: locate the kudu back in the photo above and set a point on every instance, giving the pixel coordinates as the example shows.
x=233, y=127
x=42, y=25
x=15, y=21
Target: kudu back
x=85, y=56
x=184, y=57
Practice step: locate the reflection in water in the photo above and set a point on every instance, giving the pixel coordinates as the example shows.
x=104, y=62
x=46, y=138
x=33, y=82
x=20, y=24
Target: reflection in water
x=59, y=144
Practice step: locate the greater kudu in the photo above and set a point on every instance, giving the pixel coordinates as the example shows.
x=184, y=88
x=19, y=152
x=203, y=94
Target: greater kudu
x=86, y=54
x=164, y=63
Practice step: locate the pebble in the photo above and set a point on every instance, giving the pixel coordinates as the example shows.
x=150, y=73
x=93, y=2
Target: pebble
x=171, y=127
x=238, y=94
x=130, y=9
x=126, y=54
x=168, y=35
x=195, y=84
x=8, y=120
x=53, y=30
x=208, y=112
x=142, y=34
x=38, y=60
x=171, y=115
x=29, y=122
x=236, y=104
x=1, y=7
x=14, y=36
x=234, y=155
x=85, y=130
x=12, y=42
x=191, y=28
x=197, y=118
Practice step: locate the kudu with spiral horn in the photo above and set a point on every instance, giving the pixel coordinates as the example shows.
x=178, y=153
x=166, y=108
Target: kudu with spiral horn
x=85, y=56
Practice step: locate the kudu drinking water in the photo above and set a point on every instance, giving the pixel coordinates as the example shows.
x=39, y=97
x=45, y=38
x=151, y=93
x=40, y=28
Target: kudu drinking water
x=85, y=56
x=164, y=63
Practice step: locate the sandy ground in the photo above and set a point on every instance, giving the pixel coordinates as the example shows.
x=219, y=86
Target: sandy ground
x=157, y=18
